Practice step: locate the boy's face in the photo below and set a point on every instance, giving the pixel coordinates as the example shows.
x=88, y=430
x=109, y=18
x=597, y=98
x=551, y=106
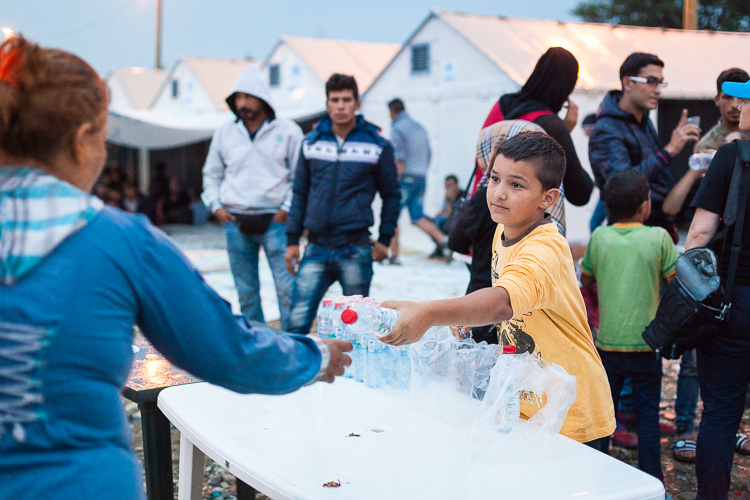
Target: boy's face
x=515, y=196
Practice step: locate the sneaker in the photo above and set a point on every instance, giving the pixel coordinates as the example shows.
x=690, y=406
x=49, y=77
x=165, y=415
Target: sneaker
x=439, y=252
x=624, y=439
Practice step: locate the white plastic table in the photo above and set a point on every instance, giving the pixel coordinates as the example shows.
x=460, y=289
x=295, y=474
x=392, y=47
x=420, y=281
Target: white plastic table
x=289, y=446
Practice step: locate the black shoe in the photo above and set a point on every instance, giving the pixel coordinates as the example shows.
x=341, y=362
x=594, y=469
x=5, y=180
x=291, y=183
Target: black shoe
x=439, y=252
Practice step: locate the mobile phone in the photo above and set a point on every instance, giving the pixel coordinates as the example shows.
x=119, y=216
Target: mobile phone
x=693, y=120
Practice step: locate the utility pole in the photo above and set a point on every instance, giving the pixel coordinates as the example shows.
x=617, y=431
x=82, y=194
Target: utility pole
x=689, y=14
x=158, y=34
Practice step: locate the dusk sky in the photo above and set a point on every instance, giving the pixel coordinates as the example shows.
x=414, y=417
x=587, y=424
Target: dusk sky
x=121, y=33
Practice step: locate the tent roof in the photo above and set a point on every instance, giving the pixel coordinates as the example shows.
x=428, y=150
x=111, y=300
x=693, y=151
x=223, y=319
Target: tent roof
x=140, y=84
x=363, y=60
x=693, y=59
x=217, y=76
x=160, y=129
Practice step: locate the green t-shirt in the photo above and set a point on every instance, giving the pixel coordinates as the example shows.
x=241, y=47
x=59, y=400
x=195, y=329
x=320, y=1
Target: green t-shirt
x=628, y=261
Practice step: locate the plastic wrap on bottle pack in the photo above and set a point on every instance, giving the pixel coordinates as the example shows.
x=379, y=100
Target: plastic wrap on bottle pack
x=547, y=391
x=448, y=376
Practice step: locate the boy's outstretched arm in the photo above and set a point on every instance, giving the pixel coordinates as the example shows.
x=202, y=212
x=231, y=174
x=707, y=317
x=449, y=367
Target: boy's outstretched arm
x=483, y=307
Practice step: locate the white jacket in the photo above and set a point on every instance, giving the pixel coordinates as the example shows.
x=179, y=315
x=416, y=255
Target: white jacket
x=244, y=175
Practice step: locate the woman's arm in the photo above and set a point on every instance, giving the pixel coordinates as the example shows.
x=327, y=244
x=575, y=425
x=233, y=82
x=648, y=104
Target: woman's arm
x=676, y=198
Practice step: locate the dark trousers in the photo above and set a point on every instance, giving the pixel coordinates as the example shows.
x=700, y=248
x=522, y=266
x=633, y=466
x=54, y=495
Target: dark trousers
x=644, y=370
x=723, y=371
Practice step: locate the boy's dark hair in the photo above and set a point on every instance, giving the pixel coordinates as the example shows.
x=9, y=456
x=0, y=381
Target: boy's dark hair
x=337, y=81
x=542, y=150
x=731, y=75
x=623, y=193
x=452, y=177
x=637, y=60
x=396, y=105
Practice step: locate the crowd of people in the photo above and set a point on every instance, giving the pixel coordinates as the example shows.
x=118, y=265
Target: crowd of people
x=168, y=200
x=306, y=201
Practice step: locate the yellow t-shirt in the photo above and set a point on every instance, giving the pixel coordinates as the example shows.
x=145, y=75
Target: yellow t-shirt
x=549, y=319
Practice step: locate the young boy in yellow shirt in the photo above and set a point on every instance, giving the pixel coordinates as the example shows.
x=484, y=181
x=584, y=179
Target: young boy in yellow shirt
x=535, y=297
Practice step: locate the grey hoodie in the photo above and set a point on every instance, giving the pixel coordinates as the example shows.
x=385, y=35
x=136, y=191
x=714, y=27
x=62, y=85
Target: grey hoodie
x=247, y=175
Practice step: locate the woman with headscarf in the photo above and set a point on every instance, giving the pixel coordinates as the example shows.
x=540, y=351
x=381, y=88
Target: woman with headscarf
x=539, y=101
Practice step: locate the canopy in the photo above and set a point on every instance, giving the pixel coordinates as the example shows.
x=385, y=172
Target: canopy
x=158, y=129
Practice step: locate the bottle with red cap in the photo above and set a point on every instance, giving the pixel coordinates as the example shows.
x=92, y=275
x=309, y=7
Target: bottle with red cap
x=337, y=326
x=366, y=318
x=509, y=415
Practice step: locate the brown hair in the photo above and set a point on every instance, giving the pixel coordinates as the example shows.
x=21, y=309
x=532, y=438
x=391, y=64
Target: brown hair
x=45, y=96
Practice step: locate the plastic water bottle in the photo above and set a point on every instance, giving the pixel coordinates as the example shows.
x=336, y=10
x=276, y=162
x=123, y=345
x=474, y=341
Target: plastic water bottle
x=510, y=415
x=337, y=327
x=367, y=318
x=325, y=329
x=375, y=361
x=699, y=161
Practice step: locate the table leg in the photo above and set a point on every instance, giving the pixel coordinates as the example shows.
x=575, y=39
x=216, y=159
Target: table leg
x=192, y=464
x=245, y=491
x=157, y=452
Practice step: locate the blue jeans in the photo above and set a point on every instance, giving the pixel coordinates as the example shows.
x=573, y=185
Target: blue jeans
x=320, y=267
x=723, y=372
x=243, y=259
x=412, y=196
x=644, y=370
x=687, y=393
x=599, y=215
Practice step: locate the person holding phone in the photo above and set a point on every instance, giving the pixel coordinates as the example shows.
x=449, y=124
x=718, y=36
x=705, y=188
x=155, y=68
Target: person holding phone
x=625, y=139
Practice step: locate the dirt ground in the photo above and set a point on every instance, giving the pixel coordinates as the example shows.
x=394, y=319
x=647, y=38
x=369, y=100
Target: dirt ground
x=679, y=477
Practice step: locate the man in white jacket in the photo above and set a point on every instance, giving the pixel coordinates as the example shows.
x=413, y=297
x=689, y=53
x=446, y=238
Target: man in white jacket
x=247, y=185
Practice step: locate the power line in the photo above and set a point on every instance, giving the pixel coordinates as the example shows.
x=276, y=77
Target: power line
x=77, y=29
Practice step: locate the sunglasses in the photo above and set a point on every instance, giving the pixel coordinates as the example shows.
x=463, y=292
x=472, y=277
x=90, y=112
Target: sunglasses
x=654, y=82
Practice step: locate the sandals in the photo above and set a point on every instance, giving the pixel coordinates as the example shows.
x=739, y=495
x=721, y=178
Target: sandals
x=741, y=439
x=682, y=445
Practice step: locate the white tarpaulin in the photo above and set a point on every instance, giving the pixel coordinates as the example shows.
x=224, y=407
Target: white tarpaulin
x=156, y=129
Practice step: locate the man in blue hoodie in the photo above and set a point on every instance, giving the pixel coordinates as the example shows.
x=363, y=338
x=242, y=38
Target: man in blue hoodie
x=343, y=163
x=625, y=139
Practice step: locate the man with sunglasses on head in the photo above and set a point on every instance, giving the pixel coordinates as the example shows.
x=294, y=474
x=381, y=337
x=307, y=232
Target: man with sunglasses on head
x=625, y=139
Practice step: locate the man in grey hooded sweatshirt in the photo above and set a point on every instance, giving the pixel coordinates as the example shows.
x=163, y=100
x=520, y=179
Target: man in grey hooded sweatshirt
x=247, y=185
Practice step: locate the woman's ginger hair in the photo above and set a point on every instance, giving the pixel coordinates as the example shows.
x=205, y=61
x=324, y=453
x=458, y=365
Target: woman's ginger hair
x=45, y=96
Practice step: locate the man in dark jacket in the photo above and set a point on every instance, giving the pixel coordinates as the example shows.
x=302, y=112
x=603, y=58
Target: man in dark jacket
x=343, y=163
x=624, y=137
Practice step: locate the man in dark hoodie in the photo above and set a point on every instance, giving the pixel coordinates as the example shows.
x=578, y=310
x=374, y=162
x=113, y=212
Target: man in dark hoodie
x=625, y=139
x=247, y=185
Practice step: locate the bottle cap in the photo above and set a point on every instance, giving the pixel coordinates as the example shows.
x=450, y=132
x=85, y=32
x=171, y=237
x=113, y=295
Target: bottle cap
x=338, y=305
x=349, y=316
x=327, y=302
x=509, y=349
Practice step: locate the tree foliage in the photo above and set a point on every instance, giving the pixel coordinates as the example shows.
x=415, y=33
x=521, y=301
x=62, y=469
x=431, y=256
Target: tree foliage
x=719, y=15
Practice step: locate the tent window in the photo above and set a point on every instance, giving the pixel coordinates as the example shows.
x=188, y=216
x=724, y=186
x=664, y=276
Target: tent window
x=420, y=58
x=175, y=89
x=274, y=78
